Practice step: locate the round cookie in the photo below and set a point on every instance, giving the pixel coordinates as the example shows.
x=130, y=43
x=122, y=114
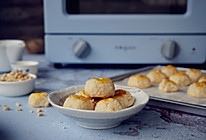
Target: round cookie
x=102, y=87
x=140, y=81
x=79, y=102
x=167, y=86
x=108, y=105
x=169, y=70
x=202, y=79
x=156, y=76
x=38, y=100
x=197, y=90
x=82, y=93
x=194, y=74
x=124, y=97
x=180, y=78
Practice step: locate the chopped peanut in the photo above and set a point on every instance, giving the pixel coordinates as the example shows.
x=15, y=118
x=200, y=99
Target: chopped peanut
x=15, y=76
x=40, y=114
x=39, y=110
x=64, y=127
x=6, y=108
x=18, y=104
x=18, y=109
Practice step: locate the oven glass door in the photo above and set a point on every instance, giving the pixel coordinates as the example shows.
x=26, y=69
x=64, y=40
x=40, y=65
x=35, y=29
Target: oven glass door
x=126, y=6
x=125, y=16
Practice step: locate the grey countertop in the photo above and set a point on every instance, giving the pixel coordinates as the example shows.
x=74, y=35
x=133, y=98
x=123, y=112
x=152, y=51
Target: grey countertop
x=152, y=123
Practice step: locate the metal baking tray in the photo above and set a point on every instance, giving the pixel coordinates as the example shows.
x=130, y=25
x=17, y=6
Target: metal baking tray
x=177, y=100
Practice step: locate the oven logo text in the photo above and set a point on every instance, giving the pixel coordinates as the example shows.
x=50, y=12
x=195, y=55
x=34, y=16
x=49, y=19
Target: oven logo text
x=125, y=48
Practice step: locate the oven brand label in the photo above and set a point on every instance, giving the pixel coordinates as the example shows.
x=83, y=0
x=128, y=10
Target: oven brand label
x=125, y=48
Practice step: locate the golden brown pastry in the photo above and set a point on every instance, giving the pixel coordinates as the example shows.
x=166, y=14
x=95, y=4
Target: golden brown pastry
x=197, y=90
x=202, y=79
x=169, y=70
x=156, y=76
x=124, y=97
x=194, y=74
x=180, y=78
x=102, y=87
x=140, y=81
x=108, y=105
x=79, y=102
x=82, y=93
x=167, y=86
x=38, y=100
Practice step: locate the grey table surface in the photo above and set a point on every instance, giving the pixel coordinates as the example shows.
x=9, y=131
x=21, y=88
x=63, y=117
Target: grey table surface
x=152, y=123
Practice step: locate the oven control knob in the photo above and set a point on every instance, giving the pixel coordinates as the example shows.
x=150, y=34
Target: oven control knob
x=170, y=49
x=81, y=49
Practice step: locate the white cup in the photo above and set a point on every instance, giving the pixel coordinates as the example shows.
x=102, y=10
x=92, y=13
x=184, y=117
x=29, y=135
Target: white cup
x=15, y=49
x=12, y=50
x=4, y=60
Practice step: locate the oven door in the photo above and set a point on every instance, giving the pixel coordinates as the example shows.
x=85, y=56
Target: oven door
x=101, y=16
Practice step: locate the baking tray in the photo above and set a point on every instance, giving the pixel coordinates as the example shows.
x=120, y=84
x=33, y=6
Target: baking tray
x=176, y=100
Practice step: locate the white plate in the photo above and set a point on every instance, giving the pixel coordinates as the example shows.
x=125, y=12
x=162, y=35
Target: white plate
x=96, y=119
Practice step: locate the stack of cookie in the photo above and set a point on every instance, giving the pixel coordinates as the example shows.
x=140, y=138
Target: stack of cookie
x=99, y=94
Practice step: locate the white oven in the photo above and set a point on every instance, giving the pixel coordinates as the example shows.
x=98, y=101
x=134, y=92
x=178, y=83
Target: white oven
x=125, y=31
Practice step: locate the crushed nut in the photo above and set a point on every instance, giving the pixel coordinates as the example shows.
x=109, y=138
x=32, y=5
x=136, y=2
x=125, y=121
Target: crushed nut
x=18, y=104
x=40, y=114
x=31, y=111
x=64, y=127
x=15, y=76
x=6, y=108
x=39, y=110
x=18, y=109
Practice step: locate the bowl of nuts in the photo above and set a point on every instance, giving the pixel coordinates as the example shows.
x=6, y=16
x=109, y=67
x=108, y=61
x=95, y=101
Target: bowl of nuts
x=16, y=83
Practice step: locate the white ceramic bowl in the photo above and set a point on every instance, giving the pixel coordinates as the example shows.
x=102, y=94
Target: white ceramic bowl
x=96, y=119
x=26, y=66
x=17, y=88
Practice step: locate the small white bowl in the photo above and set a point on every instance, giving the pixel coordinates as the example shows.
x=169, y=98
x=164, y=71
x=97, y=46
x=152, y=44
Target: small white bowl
x=26, y=66
x=96, y=119
x=17, y=88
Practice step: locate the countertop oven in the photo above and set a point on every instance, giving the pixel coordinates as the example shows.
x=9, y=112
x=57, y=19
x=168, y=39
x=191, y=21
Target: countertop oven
x=125, y=32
